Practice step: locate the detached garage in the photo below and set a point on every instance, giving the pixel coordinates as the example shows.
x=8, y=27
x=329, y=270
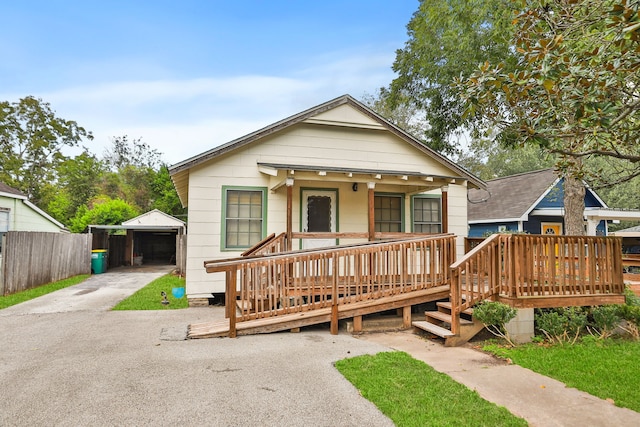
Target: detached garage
x=151, y=238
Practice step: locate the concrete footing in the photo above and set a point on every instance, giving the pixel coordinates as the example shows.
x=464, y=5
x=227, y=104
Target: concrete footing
x=521, y=328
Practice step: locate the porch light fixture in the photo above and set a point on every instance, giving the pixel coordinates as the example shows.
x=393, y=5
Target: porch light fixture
x=354, y=187
x=289, y=182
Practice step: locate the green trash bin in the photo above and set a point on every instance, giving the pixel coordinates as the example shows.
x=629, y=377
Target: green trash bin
x=98, y=261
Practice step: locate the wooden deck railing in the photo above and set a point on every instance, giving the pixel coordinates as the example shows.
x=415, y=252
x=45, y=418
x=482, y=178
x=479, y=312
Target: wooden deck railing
x=271, y=244
x=276, y=284
x=534, y=266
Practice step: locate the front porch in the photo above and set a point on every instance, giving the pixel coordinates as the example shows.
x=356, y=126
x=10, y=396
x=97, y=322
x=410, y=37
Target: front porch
x=268, y=290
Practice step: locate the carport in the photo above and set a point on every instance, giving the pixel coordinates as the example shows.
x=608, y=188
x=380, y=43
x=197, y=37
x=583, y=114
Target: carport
x=151, y=238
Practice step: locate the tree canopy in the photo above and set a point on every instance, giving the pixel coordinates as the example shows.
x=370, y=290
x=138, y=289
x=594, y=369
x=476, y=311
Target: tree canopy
x=448, y=39
x=574, y=91
x=32, y=138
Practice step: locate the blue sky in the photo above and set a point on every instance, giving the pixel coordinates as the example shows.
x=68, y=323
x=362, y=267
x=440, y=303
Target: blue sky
x=189, y=75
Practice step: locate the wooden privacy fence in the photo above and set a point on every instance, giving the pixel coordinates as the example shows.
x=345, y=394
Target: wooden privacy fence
x=538, y=270
x=31, y=259
x=283, y=283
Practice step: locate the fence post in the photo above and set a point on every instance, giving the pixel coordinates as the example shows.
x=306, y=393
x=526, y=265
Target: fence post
x=334, y=300
x=231, y=301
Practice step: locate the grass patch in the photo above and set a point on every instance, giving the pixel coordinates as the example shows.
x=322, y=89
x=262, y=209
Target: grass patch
x=149, y=298
x=607, y=369
x=17, y=298
x=411, y=393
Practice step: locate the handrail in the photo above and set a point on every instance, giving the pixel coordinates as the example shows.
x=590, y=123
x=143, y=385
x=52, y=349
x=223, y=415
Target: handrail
x=474, y=278
x=296, y=281
x=216, y=265
x=536, y=266
x=268, y=245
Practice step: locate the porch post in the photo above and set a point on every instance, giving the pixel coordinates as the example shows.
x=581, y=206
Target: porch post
x=372, y=224
x=289, y=212
x=445, y=208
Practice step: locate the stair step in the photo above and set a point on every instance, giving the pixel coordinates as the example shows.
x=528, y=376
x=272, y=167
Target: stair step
x=444, y=317
x=434, y=329
x=447, y=305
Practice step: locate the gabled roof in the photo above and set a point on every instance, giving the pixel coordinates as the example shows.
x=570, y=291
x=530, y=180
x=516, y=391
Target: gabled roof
x=155, y=217
x=180, y=171
x=13, y=193
x=4, y=188
x=511, y=197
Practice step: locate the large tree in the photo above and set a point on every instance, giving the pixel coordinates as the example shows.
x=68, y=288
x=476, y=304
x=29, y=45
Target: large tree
x=448, y=39
x=575, y=91
x=32, y=139
x=488, y=159
x=79, y=181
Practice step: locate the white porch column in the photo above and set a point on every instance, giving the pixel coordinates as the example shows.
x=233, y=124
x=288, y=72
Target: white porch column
x=371, y=211
x=592, y=225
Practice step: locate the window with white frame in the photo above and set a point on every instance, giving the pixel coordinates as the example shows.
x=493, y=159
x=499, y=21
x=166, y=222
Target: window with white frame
x=244, y=212
x=427, y=215
x=4, y=220
x=4, y=223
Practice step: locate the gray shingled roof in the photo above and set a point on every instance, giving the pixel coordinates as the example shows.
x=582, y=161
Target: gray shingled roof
x=510, y=196
x=4, y=188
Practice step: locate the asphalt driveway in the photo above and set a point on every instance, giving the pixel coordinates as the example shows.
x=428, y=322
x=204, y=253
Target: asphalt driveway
x=67, y=360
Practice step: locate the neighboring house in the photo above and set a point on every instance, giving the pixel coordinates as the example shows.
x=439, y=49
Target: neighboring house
x=338, y=168
x=531, y=202
x=19, y=214
x=630, y=239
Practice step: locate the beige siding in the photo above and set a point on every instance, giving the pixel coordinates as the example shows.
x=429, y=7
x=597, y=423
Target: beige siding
x=303, y=144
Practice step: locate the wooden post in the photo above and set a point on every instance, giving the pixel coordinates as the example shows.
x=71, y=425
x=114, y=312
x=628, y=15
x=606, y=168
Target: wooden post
x=231, y=301
x=445, y=209
x=334, y=302
x=289, y=213
x=406, y=317
x=371, y=212
x=334, y=318
x=357, y=324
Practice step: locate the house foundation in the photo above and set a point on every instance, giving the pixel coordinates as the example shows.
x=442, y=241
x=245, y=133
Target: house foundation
x=521, y=327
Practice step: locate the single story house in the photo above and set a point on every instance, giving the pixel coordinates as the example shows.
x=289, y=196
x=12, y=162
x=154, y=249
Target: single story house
x=335, y=173
x=17, y=213
x=531, y=202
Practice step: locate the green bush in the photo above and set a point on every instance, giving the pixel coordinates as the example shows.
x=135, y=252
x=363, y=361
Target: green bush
x=562, y=325
x=495, y=315
x=606, y=318
x=631, y=315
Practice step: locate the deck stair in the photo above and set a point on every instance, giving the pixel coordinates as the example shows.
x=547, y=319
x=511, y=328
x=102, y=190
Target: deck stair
x=438, y=322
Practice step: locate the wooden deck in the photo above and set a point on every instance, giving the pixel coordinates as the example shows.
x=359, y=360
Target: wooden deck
x=275, y=291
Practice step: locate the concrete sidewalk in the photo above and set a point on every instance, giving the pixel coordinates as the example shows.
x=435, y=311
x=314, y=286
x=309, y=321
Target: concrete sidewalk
x=540, y=400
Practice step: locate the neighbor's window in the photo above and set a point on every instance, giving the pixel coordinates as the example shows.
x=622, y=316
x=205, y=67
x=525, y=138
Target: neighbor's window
x=4, y=220
x=4, y=223
x=244, y=217
x=388, y=212
x=427, y=216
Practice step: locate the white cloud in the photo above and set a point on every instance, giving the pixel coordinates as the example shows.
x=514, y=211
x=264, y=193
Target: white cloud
x=184, y=117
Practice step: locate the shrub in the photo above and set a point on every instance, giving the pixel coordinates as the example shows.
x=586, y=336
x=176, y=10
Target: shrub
x=562, y=324
x=631, y=315
x=605, y=319
x=494, y=315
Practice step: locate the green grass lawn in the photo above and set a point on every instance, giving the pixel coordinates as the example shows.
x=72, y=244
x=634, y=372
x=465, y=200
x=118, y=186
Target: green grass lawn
x=411, y=393
x=608, y=369
x=149, y=298
x=17, y=298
